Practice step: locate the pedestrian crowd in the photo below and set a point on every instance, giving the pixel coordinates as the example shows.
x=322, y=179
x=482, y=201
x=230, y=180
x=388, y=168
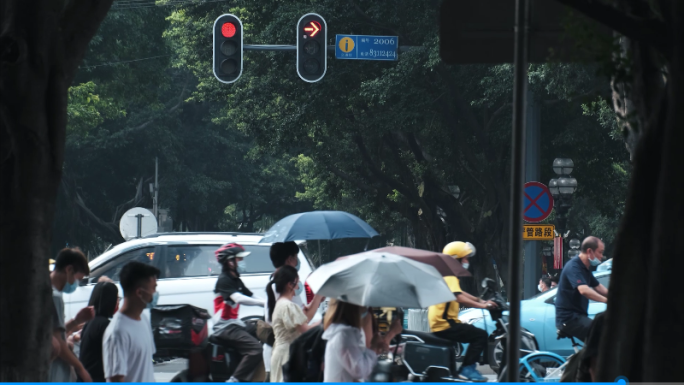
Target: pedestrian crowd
x=111, y=340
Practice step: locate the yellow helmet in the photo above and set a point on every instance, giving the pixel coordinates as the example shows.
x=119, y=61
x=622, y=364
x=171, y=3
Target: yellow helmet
x=460, y=250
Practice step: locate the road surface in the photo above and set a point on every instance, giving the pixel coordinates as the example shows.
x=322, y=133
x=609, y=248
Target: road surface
x=164, y=372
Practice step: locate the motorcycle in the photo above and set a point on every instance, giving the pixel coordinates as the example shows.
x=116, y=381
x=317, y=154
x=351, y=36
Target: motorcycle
x=420, y=356
x=214, y=362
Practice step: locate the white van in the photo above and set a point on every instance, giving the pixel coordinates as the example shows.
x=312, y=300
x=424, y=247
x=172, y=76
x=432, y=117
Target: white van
x=188, y=267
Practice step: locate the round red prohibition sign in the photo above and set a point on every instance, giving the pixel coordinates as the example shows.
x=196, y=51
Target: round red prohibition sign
x=538, y=202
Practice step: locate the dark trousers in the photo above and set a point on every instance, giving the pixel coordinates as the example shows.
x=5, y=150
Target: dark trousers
x=467, y=334
x=241, y=340
x=578, y=327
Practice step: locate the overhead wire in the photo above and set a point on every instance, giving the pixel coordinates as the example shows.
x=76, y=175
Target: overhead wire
x=125, y=61
x=138, y=4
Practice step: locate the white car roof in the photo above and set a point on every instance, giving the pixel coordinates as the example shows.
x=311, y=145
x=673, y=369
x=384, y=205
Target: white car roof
x=172, y=238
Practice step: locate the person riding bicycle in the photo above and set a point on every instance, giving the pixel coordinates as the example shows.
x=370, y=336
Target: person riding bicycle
x=576, y=287
x=230, y=294
x=443, y=318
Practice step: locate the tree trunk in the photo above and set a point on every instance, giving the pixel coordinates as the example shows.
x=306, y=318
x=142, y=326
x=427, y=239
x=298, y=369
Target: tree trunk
x=41, y=45
x=643, y=338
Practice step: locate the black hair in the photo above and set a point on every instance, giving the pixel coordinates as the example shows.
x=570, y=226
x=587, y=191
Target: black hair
x=73, y=257
x=282, y=277
x=104, y=298
x=590, y=243
x=281, y=251
x=546, y=280
x=134, y=273
x=555, y=278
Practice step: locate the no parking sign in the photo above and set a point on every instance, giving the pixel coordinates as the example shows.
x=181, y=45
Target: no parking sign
x=538, y=202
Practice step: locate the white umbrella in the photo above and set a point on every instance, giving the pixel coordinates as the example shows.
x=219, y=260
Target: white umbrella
x=381, y=280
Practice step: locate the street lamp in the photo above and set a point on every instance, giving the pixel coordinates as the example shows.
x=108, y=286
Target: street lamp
x=574, y=243
x=562, y=189
x=563, y=166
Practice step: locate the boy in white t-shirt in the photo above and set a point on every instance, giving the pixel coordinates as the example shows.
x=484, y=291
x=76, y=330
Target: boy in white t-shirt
x=286, y=253
x=128, y=344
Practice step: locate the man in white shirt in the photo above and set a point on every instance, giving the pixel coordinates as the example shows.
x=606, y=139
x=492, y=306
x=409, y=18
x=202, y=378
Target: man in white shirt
x=128, y=345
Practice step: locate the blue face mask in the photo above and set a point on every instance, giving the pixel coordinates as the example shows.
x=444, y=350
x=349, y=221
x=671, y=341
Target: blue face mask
x=70, y=287
x=299, y=263
x=298, y=289
x=241, y=267
x=595, y=261
x=153, y=303
x=364, y=314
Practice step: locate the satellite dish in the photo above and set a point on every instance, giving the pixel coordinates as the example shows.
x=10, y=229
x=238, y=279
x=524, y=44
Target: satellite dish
x=137, y=223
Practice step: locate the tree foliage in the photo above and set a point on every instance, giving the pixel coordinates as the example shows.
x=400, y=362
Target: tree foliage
x=386, y=140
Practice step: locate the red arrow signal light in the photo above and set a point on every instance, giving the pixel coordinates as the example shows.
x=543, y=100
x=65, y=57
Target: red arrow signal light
x=312, y=28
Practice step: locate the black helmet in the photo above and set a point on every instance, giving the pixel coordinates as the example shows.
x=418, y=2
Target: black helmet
x=230, y=251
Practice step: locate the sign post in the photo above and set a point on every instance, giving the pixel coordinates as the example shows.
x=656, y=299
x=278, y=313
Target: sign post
x=363, y=47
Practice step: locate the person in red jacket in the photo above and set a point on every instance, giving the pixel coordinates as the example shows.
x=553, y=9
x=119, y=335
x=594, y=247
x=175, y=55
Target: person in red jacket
x=231, y=292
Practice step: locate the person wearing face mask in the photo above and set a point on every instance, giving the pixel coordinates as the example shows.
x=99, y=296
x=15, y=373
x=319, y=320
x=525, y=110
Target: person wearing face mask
x=576, y=286
x=105, y=300
x=544, y=284
x=287, y=254
x=443, y=318
x=71, y=265
x=128, y=344
x=231, y=292
x=288, y=319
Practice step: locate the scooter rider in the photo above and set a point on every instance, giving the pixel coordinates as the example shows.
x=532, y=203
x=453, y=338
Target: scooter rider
x=576, y=287
x=230, y=294
x=443, y=318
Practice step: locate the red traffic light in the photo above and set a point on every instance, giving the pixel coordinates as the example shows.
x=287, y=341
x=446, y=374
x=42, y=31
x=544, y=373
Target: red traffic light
x=312, y=28
x=228, y=29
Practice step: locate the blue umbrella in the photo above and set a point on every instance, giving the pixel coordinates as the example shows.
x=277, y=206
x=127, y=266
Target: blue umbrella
x=318, y=225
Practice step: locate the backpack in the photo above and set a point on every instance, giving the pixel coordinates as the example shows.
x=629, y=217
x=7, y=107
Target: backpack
x=307, y=354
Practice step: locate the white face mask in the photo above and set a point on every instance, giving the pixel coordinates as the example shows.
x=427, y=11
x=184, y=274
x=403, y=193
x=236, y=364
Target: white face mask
x=539, y=288
x=466, y=265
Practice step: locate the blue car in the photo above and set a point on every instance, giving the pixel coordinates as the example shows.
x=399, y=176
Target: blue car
x=538, y=316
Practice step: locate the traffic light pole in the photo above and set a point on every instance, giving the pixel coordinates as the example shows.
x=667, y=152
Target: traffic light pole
x=281, y=47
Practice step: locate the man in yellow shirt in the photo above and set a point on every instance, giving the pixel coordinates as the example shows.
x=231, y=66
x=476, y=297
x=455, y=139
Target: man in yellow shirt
x=444, y=321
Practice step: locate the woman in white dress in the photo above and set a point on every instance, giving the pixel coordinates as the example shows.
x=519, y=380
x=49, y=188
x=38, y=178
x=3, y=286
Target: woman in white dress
x=287, y=318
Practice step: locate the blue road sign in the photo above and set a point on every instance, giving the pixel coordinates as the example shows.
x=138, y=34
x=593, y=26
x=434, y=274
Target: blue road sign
x=538, y=202
x=362, y=47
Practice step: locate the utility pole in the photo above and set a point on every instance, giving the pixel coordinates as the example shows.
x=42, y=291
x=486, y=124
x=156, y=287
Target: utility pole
x=154, y=190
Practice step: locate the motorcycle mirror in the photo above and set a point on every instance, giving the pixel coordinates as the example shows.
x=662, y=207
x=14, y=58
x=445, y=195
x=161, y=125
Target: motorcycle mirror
x=488, y=283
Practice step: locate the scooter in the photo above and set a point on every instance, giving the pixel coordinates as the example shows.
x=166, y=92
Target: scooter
x=419, y=356
x=214, y=362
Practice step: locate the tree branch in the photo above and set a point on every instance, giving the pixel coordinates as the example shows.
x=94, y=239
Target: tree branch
x=355, y=181
x=572, y=99
x=496, y=114
x=415, y=147
x=651, y=32
x=377, y=172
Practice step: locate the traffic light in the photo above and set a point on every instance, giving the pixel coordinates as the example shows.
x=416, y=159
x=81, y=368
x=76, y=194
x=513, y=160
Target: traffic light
x=227, y=48
x=312, y=56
